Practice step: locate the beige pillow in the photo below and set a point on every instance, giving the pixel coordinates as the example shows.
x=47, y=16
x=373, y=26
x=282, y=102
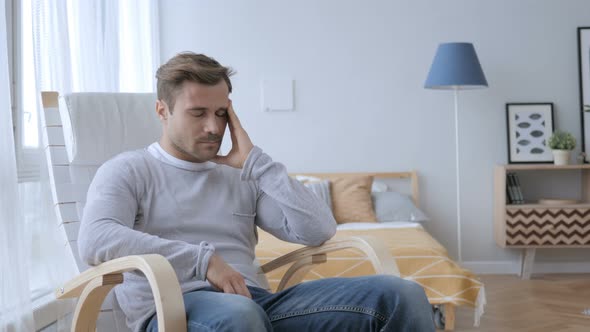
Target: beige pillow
x=351, y=199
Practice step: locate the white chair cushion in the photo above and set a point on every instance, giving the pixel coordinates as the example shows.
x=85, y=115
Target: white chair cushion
x=123, y=121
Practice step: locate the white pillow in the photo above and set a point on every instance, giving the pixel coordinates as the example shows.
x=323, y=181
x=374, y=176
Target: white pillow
x=393, y=206
x=379, y=186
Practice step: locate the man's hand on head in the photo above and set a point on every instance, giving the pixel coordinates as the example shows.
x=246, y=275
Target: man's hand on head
x=225, y=278
x=241, y=143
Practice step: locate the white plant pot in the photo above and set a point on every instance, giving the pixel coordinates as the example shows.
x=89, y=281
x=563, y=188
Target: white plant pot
x=561, y=157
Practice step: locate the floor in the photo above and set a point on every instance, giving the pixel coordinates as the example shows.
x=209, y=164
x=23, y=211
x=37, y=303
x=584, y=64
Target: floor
x=552, y=303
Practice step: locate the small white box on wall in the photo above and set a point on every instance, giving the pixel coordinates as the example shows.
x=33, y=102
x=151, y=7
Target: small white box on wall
x=277, y=94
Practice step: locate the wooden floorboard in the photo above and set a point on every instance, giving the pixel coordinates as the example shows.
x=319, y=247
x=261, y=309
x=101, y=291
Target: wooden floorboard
x=552, y=303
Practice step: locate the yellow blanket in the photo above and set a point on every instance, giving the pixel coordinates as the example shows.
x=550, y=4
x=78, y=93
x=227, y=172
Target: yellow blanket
x=418, y=255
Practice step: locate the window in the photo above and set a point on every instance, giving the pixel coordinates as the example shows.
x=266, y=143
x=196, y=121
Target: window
x=30, y=123
x=24, y=100
x=36, y=204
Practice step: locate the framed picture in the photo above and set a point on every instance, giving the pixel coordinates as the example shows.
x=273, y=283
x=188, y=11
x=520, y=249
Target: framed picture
x=584, y=72
x=529, y=127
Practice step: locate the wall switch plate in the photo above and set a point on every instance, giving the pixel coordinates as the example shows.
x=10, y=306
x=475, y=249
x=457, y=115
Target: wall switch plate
x=277, y=94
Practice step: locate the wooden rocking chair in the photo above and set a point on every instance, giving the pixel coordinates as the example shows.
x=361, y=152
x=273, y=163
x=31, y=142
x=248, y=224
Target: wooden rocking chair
x=120, y=122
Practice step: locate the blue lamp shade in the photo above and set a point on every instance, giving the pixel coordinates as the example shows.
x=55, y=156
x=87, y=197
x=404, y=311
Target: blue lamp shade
x=455, y=66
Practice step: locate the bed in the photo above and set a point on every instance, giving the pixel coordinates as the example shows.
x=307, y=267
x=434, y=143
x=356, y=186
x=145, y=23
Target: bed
x=419, y=256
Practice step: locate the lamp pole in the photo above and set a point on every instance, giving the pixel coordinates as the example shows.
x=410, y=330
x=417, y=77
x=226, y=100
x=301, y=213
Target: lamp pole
x=456, y=93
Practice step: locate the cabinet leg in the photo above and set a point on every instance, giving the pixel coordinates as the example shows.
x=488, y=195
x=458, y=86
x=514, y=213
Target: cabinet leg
x=527, y=259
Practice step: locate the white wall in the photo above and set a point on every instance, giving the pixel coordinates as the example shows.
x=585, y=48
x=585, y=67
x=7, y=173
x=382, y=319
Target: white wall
x=359, y=70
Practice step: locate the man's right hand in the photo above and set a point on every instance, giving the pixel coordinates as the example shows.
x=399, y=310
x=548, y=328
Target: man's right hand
x=225, y=278
x=241, y=145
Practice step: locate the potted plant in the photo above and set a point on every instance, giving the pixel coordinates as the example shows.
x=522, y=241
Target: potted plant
x=561, y=143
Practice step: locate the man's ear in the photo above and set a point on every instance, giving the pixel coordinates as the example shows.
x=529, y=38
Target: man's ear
x=161, y=109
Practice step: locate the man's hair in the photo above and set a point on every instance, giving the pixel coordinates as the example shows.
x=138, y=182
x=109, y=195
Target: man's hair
x=189, y=66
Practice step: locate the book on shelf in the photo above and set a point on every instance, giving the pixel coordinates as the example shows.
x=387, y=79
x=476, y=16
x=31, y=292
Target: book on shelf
x=509, y=198
x=518, y=189
x=513, y=189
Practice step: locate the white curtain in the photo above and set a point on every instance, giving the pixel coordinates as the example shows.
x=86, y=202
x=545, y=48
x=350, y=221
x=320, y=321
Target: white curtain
x=96, y=45
x=16, y=313
x=78, y=46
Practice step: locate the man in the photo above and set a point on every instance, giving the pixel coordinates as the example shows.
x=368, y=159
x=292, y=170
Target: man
x=178, y=198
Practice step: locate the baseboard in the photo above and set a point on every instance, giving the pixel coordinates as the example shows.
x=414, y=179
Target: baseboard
x=561, y=267
x=512, y=267
x=492, y=267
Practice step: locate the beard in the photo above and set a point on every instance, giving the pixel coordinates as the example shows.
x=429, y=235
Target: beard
x=198, y=151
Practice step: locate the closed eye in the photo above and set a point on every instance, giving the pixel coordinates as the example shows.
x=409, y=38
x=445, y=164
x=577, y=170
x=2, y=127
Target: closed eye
x=196, y=113
x=221, y=113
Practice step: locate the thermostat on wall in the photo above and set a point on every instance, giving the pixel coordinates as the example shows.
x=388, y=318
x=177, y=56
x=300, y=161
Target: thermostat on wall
x=277, y=94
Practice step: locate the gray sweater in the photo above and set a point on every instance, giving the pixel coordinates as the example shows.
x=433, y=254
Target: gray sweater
x=147, y=201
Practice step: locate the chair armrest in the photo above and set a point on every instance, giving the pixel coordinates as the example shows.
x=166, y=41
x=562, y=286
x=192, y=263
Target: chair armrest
x=160, y=275
x=377, y=252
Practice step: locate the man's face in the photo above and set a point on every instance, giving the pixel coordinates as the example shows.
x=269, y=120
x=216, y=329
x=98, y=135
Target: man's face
x=195, y=128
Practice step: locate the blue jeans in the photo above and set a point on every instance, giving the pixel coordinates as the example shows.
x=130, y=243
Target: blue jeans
x=371, y=303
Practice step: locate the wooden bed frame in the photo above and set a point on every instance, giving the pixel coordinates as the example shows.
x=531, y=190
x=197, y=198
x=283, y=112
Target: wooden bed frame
x=449, y=308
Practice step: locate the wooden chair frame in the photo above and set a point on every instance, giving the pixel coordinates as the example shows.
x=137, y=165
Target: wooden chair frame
x=92, y=285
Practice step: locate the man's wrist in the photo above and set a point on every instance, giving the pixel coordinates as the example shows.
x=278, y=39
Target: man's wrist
x=206, y=251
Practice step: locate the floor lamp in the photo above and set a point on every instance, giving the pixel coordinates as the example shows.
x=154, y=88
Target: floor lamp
x=456, y=67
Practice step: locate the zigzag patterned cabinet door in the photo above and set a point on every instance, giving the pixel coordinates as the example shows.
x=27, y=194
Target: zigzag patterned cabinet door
x=531, y=225
x=547, y=226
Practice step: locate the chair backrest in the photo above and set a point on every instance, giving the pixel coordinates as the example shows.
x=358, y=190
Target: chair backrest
x=80, y=132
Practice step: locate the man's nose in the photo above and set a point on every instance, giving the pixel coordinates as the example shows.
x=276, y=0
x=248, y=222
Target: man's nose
x=212, y=126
